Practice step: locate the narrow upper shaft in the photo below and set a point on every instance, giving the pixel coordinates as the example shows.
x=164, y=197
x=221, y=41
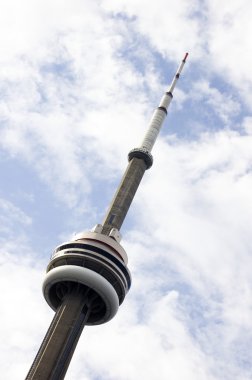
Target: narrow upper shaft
x=140, y=159
x=124, y=195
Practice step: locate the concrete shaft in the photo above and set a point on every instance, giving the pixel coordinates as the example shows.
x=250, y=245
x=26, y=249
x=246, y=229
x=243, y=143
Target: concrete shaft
x=124, y=195
x=57, y=348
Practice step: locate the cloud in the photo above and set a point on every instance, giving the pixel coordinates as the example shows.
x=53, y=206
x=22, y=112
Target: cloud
x=228, y=42
x=50, y=99
x=222, y=104
x=20, y=278
x=200, y=239
x=11, y=215
x=166, y=30
x=22, y=326
x=169, y=345
x=213, y=34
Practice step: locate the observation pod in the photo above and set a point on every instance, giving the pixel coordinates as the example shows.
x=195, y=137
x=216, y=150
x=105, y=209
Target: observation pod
x=95, y=263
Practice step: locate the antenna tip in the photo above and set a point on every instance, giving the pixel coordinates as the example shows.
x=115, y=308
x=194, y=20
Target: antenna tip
x=186, y=55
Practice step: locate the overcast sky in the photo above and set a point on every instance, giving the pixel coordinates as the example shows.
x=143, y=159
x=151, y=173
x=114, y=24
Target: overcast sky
x=79, y=81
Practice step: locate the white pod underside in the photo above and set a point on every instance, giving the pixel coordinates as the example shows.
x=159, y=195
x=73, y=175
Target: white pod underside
x=86, y=277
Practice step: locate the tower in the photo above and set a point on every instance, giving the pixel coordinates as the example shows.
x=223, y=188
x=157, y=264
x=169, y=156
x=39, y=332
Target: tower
x=87, y=278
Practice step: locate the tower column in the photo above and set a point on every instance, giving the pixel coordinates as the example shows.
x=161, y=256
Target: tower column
x=87, y=278
x=57, y=348
x=124, y=195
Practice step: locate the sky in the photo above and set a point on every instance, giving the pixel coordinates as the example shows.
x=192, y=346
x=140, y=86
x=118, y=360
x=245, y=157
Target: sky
x=79, y=81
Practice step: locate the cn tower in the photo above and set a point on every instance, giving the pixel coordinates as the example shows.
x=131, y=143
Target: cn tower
x=88, y=278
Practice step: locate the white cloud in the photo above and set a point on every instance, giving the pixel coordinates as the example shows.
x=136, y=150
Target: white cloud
x=200, y=226
x=12, y=214
x=24, y=318
x=222, y=104
x=49, y=116
x=168, y=346
x=217, y=35
x=21, y=273
x=172, y=28
x=228, y=41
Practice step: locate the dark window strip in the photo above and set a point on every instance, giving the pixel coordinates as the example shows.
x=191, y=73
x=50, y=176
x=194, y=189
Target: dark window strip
x=97, y=260
x=101, y=252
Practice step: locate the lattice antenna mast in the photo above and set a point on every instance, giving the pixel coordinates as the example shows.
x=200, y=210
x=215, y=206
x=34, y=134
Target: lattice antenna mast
x=140, y=159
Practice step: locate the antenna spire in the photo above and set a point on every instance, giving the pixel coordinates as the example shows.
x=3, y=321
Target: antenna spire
x=140, y=159
x=161, y=112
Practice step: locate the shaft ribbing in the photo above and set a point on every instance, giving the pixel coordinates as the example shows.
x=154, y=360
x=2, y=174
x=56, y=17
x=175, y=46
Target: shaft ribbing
x=57, y=348
x=124, y=195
